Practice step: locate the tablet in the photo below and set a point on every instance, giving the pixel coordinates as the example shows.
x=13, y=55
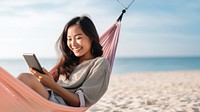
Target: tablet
x=33, y=62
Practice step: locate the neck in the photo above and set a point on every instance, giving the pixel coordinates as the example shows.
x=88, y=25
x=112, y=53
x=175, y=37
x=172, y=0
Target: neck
x=85, y=59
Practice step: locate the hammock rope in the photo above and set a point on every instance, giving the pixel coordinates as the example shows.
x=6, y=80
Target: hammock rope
x=125, y=8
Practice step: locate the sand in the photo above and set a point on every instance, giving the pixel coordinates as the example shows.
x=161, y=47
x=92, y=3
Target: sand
x=176, y=91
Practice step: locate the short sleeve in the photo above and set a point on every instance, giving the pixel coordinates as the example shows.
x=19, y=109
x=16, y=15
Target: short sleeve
x=81, y=98
x=96, y=82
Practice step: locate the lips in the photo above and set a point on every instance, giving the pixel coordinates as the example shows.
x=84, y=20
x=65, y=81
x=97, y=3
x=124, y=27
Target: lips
x=75, y=50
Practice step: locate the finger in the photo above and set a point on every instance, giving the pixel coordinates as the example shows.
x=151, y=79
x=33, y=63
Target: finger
x=37, y=75
x=32, y=71
x=45, y=71
x=39, y=78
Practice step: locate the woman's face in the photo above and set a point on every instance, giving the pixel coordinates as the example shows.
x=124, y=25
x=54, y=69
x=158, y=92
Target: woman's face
x=78, y=42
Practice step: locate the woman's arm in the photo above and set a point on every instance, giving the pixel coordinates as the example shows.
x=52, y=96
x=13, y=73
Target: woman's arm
x=47, y=80
x=69, y=97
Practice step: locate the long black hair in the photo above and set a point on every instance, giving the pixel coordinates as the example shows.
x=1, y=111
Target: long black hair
x=67, y=60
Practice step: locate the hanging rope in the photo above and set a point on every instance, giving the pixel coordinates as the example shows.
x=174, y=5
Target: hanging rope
x=124, y=10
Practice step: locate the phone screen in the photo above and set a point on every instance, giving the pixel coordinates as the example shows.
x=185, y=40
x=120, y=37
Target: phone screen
x=33, y=62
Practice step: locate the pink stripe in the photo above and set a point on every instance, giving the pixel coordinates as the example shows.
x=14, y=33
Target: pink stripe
x=109, y=41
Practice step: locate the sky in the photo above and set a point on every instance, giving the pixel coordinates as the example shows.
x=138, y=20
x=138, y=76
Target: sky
x=158, y=28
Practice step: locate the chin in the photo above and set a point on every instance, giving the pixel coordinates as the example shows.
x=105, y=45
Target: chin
x=77, y=55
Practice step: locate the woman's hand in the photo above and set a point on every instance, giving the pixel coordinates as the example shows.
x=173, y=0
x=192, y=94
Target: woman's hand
x=46, y=79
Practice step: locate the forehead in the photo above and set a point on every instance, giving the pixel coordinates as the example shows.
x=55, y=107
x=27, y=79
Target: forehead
x=74, y=29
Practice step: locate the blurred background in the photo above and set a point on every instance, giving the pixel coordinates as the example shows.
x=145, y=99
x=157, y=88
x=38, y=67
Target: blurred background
x=155, y=35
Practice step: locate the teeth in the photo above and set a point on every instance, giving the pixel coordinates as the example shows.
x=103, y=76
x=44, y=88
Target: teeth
x=76, y=49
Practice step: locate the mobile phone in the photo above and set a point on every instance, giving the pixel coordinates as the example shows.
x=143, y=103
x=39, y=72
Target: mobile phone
x=33, y=62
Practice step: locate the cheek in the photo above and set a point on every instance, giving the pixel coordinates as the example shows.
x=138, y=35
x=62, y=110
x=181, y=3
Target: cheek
x=88, y=44
x=82, y=43
x=68, y=44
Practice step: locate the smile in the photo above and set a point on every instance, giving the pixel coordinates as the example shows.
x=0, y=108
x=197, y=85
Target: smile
x=76, y=49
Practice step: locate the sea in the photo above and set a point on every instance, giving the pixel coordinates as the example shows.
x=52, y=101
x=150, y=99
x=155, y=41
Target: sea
x=121, y=65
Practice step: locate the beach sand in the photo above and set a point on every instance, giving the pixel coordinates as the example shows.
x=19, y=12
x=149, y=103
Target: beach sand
x=176, y=91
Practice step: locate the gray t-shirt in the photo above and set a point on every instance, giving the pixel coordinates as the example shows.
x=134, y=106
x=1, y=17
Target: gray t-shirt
x=91, y=77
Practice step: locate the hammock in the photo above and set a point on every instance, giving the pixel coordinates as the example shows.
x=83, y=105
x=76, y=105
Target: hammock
x=17, y=97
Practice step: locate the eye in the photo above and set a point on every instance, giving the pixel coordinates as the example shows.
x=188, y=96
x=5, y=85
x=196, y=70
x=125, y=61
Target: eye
x=78, y=38
x=69, y=39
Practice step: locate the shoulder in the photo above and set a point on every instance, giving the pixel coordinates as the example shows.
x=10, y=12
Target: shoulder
x=102, y=61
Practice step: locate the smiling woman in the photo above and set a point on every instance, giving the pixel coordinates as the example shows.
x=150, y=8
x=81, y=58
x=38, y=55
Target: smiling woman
x=79, y=43
x=82, y=75
x=79, y=79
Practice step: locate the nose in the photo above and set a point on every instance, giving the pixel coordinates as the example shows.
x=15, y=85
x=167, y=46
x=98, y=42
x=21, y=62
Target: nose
x=74, y=42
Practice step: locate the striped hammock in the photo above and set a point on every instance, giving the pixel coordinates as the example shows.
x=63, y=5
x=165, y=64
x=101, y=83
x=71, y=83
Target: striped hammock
x=17, y=97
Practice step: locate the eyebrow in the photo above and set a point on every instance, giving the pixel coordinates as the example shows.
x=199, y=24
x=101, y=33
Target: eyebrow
x=76, y=34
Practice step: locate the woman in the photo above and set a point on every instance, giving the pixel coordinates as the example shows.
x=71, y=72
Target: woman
x=81, y=76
